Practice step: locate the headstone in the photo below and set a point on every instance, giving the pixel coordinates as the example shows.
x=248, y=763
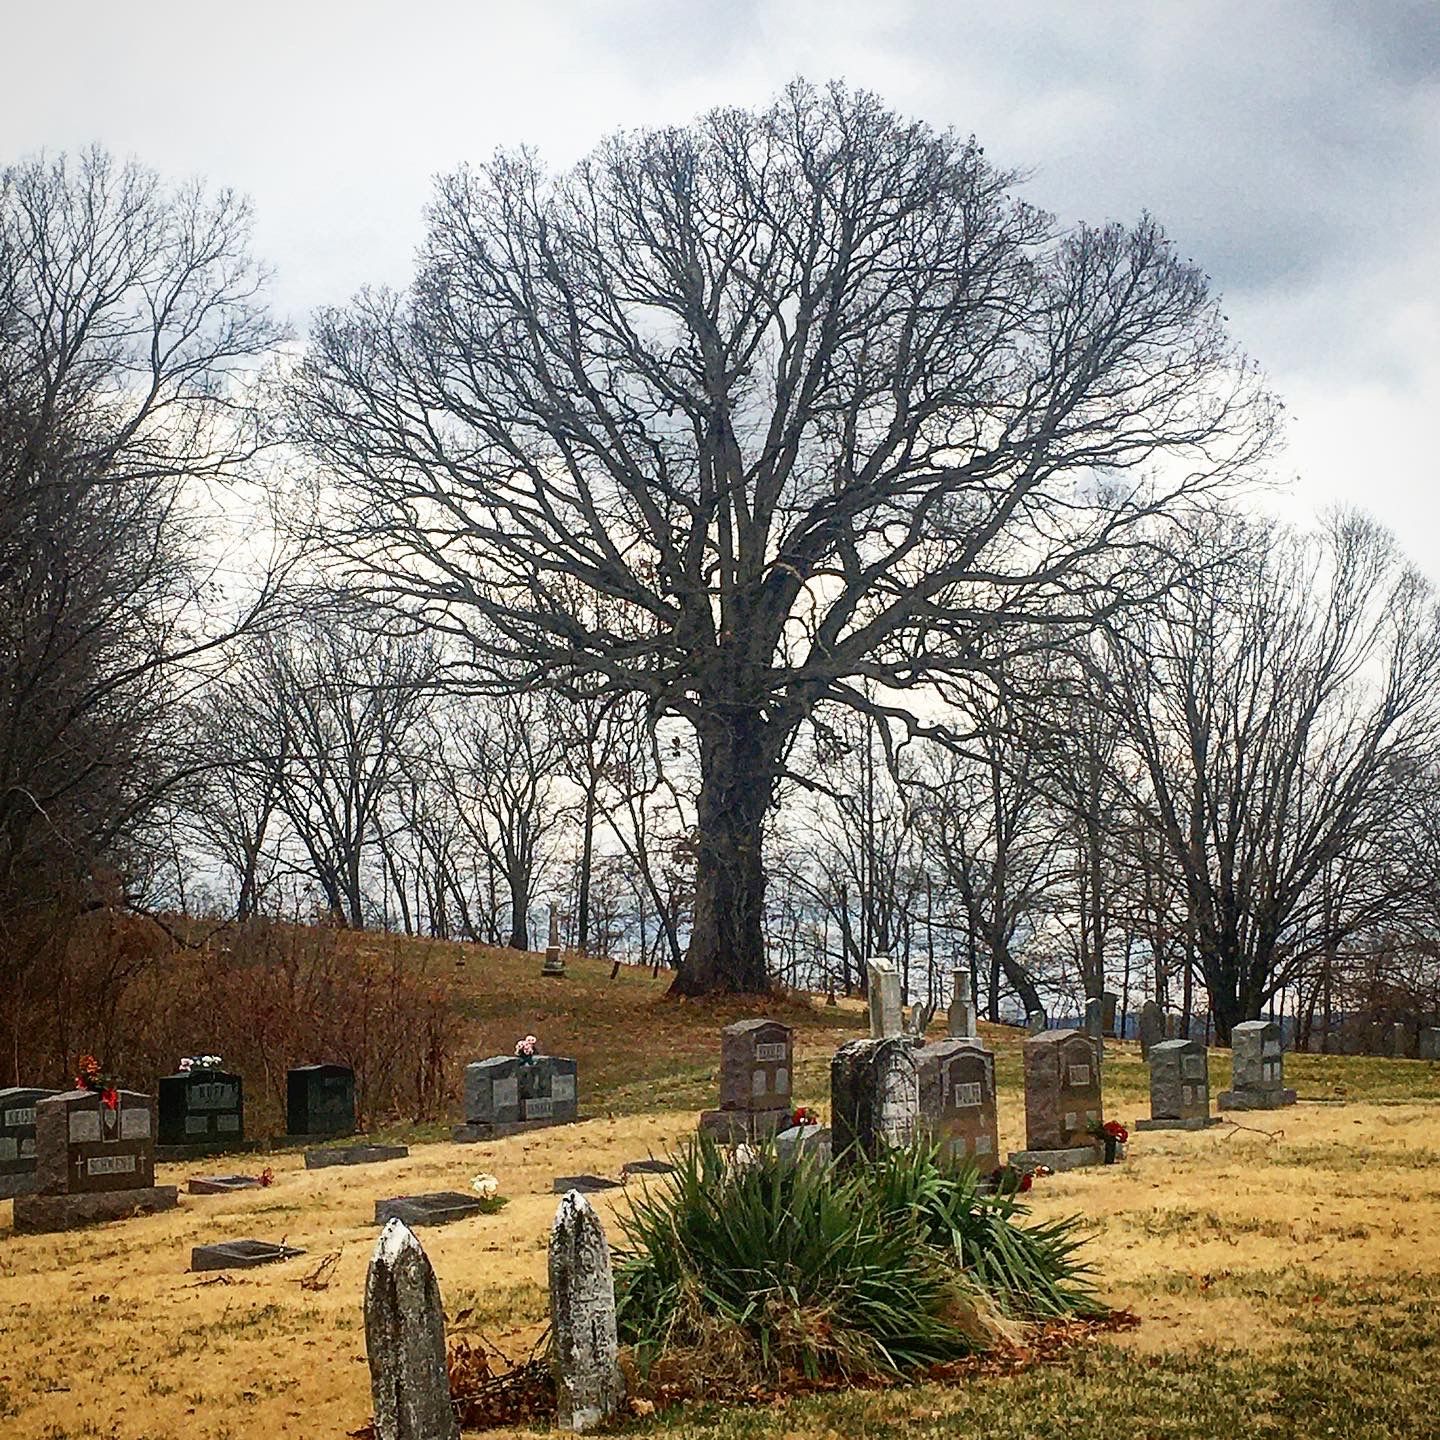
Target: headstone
x=17, y=1138
x=1035, y=1022
x=221, y=1184
x=1062, y=1101
x=1109, y=1012
x=354, y=1155
x=1179, y=1087
x=554, y=960
x=320, y=1100
x=962, y=1008
x=507, y=1094
x=1257, y=1061
x=874, y=1097
x=240, y=1255
x=585, y=1184
x=437, y=1207
x=957, y=1100
x=588, y=1385
x=1152, y=1027
x=1402, y=1041
x=1429, y=1047
x=887, y=1014
x=92, y=1162
x=405, y=1341
x=1175, y=1026
x=757, y=1065
x=1095, y=1019
x=804, y=1141
x=201, y=1110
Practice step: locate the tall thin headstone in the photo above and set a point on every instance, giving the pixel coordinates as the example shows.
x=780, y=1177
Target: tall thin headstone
x=554, y=961
x=1095, y=1025
x=405, y=1341
x=1036, y=1022
x=1152, y=1027
x=588, y=1384
x=962, y=1008
x=1109, y=1013
x=874, y=1097
x=887, y=1014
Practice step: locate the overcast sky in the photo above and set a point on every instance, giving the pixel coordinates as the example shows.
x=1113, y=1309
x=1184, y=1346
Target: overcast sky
x=1291, y=147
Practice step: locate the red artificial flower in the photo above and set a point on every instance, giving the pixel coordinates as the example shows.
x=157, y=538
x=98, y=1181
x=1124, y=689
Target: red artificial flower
x=804, y=1116
x=1116, y=1131
x=110, y=1099
x=267, y=1176
x=1026, y=1181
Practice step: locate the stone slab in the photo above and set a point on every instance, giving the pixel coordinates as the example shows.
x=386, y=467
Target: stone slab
x=39, y=1214
x=1255, y=1099
x=647, y=1167
x=240, y=1255
x=735, y=1127
x=1199, y=1123
x=1057, y=1160
x=438, y=1207
x=802, y=1140
x=585, y=1184
x=354, y=1155
x=220, y=1184
x=12, y=1185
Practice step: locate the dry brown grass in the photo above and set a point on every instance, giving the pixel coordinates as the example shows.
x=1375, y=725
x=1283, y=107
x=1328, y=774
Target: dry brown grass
x=107, y=1334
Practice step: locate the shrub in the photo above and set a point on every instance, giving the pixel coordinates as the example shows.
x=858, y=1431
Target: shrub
x=779, y=1266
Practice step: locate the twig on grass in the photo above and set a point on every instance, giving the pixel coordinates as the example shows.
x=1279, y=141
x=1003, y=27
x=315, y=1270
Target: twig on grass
x=1271, y=1135
x=322, y=1275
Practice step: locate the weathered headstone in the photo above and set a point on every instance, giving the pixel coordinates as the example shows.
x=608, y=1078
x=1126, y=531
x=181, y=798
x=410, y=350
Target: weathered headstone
x=554, y=960
x=320, y=1100
x=1095, y=1020
x=887, y=1013
x=588, y=1385
x=809, y=1141
x=962, y=1015
x=354, y=1155
x=1152, y=1027
x=240, y=1254
x=1429, y=1046
x=757, y=1065
x=1257, y=1068
x=1109, y=1012
x=405, y=1341
x=874, y=1097
x=1036, y=1022
x=1179, y=1087
x=1062, y=1101
x=437, y=1207
x=201, y=1111
x=957, y=1100
x=507, y=1094
x=92, y=1161
x=17, y=1138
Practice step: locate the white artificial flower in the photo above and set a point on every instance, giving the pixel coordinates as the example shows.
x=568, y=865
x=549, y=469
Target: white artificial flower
x=487, y=1187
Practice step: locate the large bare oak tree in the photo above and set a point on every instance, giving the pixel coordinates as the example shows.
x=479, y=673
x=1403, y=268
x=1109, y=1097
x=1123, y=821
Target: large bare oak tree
x=775, y=410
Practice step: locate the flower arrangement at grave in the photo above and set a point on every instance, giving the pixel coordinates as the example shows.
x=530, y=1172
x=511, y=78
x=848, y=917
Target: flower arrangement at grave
x=804, y=1115
x=527, y=1049
x=1008, y=1180
x=199, y=1062
x=88, y=1076
x=487, y=1187
x=1112, y=1134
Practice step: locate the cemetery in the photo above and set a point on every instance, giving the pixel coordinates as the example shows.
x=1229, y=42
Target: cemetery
x=1178, y=1235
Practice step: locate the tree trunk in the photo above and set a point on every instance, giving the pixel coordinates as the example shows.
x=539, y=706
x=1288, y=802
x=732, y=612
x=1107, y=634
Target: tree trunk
x=727, y=938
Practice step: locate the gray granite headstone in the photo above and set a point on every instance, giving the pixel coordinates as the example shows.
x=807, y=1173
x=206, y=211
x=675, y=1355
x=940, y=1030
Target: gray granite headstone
x=874, y=1097
x=1179, y=1087
x=962, y=1014
x=507, y=1093
x=1035, y=1022
x=757, y=1065
x=405, y=1341
x=1062, y=1090
x=804, y=1141
x=17, y=1138
x=1152, y=1027
x=1257, y=1060
x=957, y=1100
x=887, y=1013
x=1429, y=1047
x=554, y=959
x=1109, y=1012
x=588, y=1384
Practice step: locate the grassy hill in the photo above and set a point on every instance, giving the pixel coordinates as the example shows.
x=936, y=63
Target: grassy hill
x=1284, y=1272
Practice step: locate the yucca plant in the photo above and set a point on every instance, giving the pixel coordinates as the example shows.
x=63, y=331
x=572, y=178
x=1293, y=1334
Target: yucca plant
x=790, y=1265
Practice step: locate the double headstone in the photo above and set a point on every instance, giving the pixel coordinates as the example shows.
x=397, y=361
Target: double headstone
x=320, y=1100
x=509, y=1093
x=93, y=1161
x=887, y=1012
x=957, y=1100
x=201, y=1110
x=1063, y=1105
x=1179, y=1087
x=757, y=1067
x=1152, y=1027
x=962, y=1015
x=874, y=1097
x=17, y=1138
x=1257, y=1057
x=588, y=1384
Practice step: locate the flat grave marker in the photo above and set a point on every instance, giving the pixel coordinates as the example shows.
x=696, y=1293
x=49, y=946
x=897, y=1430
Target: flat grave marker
x=221, y=1184
x=354, y=1155
x=239, y=1254
x=438, y=1207
x=585, y=1184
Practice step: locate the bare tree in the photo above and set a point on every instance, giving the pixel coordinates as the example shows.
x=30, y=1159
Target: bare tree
x=810, y=391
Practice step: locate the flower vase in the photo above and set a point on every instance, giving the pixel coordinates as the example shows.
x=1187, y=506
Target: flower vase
x=1112, y=1146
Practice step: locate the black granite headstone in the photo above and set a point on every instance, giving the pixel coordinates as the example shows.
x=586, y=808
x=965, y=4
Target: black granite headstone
x=320, y=1100
x=202, y=1108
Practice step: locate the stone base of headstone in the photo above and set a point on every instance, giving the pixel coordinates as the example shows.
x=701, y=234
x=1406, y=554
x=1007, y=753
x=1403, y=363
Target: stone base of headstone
x=1057, y=1160
x=39, y=1214
x=1198, y=1123
x=354, y=1155
x=170, y=1154
x=473, y=1132
x=1255, y=1099
x=12, y=1185
x=439, y=1207
x=804, y=1140
x=737, y=1127
x=220, y=1184
x=240, y=1255
x=554, y=966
